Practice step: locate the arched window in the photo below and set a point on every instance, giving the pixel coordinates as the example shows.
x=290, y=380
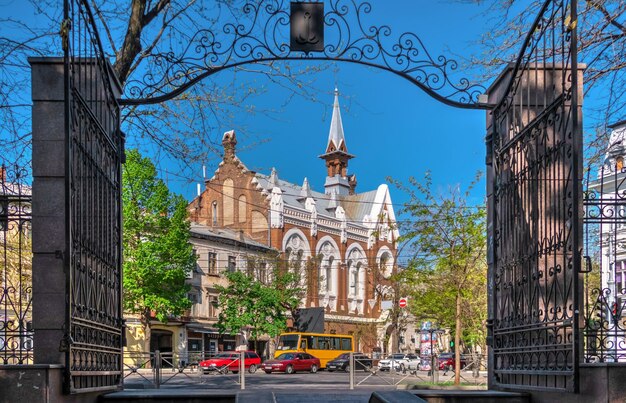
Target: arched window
x=328, y=259
x=356, y=274
x=385, y=262
x=241, y=209
x=228, y=202
x=354, y=280
x=329, y=274
x=360, y=281
x=296, y=252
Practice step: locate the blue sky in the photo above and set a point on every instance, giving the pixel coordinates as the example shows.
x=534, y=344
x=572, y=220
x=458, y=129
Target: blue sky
x=392, y=127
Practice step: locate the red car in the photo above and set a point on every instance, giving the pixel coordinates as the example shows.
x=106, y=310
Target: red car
x=446, y=362
x=229, y=361
x=291, y=362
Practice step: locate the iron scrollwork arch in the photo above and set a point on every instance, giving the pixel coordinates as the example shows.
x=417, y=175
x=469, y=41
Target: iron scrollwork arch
x=265, y=38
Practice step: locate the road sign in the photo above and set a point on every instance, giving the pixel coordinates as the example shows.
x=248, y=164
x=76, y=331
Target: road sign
x=402, y=303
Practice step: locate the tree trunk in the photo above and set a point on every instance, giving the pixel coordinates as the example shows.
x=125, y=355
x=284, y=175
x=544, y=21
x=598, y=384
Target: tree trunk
x=132, y=41
x=147, y=332
x=457, y=340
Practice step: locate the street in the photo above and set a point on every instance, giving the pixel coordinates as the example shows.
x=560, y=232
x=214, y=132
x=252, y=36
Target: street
x=171, y=379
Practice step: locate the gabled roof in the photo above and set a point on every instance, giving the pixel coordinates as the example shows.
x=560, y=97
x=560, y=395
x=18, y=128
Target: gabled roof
x=362, y=209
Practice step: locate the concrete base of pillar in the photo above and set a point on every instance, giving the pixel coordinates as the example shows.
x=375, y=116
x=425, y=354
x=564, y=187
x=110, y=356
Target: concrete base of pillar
x=598, y=383
x=37, y=383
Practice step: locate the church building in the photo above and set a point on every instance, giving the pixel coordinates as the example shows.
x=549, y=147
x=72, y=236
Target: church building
x=343, y=239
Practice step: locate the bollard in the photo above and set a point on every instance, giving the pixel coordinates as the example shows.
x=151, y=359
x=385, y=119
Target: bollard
x=351, y=371
x=242, y=369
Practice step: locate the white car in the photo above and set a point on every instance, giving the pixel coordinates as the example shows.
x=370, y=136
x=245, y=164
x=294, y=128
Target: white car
x=421, y=364
x=398, y=362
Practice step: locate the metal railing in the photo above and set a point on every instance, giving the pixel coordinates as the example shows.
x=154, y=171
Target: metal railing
x=159, y=368
x=16, y=258
x=423, y=370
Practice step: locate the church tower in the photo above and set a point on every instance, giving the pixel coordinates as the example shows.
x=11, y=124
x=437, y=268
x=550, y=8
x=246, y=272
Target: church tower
x=337, y=157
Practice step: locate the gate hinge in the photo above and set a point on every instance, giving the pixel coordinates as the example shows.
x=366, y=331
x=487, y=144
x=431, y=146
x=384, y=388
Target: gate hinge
x=489, y=339
x=66, y=26
x=66, y=342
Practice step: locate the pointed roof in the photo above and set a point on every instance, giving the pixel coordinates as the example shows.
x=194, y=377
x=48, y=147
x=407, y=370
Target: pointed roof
x=306, y=189
x=274, y=177
x=335, y=136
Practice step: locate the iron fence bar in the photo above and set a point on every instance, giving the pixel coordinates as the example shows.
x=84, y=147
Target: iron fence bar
x=352, y=369
x=242, y=370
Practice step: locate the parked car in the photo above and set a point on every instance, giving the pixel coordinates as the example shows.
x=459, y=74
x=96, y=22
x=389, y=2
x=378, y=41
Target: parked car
x=421, y=364
x=399, y=361
x=342, y=362
x=229, y=361
x=446, y=361
x=291, y=362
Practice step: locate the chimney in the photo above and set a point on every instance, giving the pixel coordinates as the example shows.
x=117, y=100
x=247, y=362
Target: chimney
x=229, y=141
x=352, y=183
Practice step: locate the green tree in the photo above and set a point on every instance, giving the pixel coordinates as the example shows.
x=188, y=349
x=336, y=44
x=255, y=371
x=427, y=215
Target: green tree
x=157, y=252
x=255, y=305
x=447, y=274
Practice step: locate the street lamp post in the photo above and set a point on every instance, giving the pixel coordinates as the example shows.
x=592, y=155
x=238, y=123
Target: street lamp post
x=434, y=373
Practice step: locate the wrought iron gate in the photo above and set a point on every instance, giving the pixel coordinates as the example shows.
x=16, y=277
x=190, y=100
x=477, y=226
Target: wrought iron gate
x=94, y=149
x=535, y=214
x=534, y=207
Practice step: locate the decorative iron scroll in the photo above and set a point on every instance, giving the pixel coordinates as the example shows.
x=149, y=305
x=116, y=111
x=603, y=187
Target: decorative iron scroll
x=535, y=218
x=16, y=257
x=605, y=253
x=265, y=37
x=93, y=342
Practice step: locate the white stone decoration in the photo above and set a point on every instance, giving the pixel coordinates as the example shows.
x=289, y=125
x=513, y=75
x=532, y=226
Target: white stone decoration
x=371, y=239
x=340, y=214
x=276, y=208
x=309, y=204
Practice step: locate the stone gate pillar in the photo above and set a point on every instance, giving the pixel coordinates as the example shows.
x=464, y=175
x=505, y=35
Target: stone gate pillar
x=50, y=285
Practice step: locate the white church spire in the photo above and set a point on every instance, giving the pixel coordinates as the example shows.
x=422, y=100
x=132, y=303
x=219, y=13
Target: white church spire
x=336, y=139
x=337, y=156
